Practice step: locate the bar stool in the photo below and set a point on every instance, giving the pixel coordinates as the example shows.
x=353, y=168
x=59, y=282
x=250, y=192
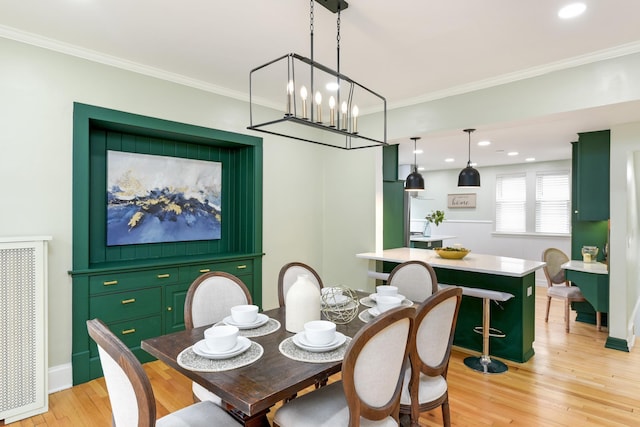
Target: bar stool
x=484, y=363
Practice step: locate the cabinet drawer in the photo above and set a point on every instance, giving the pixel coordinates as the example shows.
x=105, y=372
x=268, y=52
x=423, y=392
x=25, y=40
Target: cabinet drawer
x=126, y=305
x=131, y=332
x=236, y=268
x=115, y=282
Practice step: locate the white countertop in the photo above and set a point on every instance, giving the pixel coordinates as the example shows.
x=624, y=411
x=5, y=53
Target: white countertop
x=434, y=238
x=586, y=267
x=491, y=264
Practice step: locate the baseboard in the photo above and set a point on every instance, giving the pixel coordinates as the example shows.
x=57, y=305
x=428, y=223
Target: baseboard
x=60, y=377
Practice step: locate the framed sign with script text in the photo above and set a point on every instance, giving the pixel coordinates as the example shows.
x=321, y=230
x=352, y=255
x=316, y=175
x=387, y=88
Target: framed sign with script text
x=461, y=200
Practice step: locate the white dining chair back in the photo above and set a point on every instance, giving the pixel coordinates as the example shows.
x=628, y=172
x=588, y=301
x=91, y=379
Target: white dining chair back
x=289, y=274
x=425, y=381
x=372, y=376
x=208, y=301
x=416, y=280
x=131, y=395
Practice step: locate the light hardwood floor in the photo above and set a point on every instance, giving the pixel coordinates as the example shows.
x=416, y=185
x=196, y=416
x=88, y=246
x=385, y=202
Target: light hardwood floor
x=571, y=381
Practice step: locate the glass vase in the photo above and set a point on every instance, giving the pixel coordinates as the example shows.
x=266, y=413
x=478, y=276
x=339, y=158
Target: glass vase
x=427, y=229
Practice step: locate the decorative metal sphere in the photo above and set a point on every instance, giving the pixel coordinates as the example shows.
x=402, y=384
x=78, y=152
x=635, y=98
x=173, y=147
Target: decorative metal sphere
x=339, y=304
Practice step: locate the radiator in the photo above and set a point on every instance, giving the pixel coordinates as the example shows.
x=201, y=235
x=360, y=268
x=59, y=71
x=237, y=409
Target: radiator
x=23, y=328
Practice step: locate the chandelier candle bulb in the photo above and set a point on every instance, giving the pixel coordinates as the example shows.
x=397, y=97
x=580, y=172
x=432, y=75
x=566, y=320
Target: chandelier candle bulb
x=344, y=115
x=354, y=114
x=289, y=97
x=332, y=111
x=318, y=107
x=303, y=96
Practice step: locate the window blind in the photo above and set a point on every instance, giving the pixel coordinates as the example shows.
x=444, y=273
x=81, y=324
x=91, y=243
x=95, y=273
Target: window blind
x=511, y=203
x=553, y=202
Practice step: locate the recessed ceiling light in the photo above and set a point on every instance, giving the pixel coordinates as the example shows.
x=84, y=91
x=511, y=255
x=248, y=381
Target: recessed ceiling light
x=421, y=168
x=572, y=10
x=530, y=159
x=418, y=152
x=332, y=86
x=512, y=153
x=484, y=143
x=473, y=164
x=449, y=159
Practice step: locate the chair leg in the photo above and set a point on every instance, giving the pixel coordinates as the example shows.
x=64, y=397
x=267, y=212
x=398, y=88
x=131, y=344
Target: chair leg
x=446, y=416
x=546, y=317
x=567, y=308
x=599, y=320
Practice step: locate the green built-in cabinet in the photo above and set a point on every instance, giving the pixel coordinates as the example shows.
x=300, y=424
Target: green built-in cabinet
x=590, y=216
x=139, y=290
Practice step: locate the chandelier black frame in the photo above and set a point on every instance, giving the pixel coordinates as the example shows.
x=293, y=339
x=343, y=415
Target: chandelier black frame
x=340, y=127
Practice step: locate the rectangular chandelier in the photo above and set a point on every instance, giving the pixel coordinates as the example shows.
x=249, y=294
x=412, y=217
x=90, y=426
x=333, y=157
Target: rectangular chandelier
x=313, y=103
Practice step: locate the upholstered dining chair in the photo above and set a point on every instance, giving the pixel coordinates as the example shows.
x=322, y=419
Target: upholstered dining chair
x=559, y=287
x=416, y=280
x=372, y=375
x=208, y=301
x=425, y=381
x=289, y=274
x=132, y=400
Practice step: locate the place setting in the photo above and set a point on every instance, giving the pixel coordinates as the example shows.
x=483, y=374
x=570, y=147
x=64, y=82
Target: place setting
x=221, y=349
x=318, y=342
x=386, y=298
x=249, y=322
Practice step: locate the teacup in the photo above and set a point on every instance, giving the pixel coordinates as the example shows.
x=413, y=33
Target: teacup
x=387, y=302
x=244, y=314
x=221, y=338
x=320, y=332
x=387, y=290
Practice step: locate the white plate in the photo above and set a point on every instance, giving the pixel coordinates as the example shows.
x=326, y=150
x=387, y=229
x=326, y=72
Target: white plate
x=331, y=300
x=261, y=320
x=374, y=296
x=200, y=348
x=300, y=340
x=374, y=311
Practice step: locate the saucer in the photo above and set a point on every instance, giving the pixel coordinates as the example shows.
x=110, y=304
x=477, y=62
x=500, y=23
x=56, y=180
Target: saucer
x=261, y=320
x=374, y=297
x=368, y=302
x=300, y=340
x=374, y=311
x=200, y=348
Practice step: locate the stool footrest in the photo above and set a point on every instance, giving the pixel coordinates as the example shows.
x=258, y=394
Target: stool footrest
x=493, y=332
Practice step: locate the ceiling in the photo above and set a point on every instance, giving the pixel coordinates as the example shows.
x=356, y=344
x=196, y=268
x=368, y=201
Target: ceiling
x=408, y=51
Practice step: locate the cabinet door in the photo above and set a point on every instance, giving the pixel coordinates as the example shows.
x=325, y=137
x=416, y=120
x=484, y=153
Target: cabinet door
x=174, y=297
x=591, y=177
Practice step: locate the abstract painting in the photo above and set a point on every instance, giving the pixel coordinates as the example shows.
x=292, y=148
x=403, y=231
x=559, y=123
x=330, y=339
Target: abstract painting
x=155, y=199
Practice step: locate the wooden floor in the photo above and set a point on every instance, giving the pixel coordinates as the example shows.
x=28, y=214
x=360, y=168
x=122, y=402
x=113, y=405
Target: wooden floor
x=571, y=381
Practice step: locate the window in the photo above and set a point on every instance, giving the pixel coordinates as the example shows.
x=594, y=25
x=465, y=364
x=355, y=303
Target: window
x=511, y=203
x=553, y=202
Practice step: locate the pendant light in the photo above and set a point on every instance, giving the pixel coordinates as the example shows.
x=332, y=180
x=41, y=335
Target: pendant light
x=469, y=177
x=414, y=181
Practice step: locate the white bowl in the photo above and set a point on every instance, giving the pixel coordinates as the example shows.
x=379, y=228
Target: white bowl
x=244, y=314
x=386, y=290
x=221, y=338
x=331, y=292
x=386, y=302
x=320, y=332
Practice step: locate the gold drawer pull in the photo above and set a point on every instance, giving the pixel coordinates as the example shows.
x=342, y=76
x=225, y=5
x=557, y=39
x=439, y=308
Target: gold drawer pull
x=241, y=267
x=169, y=308
x=128, y=301
x=112, y=282
x=205, y=270
x=163, y=276
x=128, y=331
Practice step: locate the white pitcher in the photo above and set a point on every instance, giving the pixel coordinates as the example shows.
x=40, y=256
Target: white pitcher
x=302, y=304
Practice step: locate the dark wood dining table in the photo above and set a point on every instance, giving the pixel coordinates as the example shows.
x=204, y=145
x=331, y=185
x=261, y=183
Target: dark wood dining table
x=250, y=391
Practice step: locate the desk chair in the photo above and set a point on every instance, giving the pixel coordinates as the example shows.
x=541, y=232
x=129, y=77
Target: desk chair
x=131, y=395
x=559, y=287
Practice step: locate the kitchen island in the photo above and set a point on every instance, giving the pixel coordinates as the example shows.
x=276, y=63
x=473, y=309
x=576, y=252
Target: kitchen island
x=516, y=317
